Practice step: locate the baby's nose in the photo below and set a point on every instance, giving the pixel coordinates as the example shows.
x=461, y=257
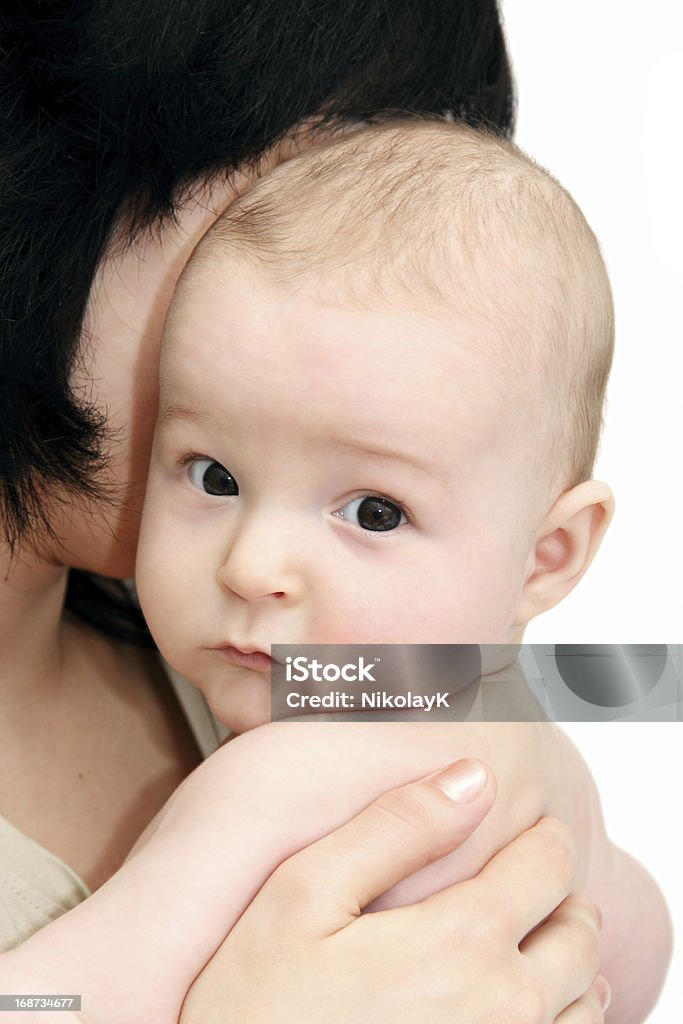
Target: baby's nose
x=261, y=563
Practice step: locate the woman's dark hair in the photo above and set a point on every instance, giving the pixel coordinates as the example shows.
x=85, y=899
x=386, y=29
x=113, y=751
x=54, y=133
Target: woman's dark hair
x=120, y=108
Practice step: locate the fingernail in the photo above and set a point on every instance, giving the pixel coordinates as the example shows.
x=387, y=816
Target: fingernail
x=462, y=781
x=604, y=992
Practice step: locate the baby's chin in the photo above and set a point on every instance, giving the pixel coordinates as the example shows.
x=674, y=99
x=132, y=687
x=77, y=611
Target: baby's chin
x=239, y=699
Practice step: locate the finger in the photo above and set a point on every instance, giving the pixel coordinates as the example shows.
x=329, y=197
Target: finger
x=586, y=1010
x=526, y=880
x=564, y=952
x=397, y=834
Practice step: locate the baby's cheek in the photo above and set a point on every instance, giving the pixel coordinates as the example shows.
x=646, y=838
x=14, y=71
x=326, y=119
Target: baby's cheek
x=163, y=578
x=148, y=571
x=390, y=620
x=359, y=622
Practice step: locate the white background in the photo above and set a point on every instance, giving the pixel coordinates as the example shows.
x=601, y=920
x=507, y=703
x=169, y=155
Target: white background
x=601, y=105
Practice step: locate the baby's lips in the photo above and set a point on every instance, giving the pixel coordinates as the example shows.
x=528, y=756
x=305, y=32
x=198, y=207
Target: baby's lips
x=246, y=657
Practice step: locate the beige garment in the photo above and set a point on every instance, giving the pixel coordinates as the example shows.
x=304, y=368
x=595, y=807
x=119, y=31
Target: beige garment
x=35, y=886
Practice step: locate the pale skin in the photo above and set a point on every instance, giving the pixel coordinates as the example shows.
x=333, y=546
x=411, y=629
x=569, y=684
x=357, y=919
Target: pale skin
x=291, y=454
x=139, y=763
x=308, y=409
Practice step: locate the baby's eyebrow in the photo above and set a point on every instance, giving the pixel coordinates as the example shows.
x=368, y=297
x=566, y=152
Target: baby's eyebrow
x=173, y=412
x=414, y=459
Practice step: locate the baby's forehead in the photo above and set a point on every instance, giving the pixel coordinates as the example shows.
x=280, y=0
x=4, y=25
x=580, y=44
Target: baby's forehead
x=480, y=345
x=392, y=362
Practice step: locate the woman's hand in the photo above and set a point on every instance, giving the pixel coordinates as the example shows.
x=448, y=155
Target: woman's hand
x=304, y=952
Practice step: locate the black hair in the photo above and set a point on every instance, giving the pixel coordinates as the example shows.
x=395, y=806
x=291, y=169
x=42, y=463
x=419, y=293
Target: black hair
x=112, y=109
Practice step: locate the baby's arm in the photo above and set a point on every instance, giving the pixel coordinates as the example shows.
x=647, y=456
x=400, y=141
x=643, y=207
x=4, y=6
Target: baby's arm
x=253, y=803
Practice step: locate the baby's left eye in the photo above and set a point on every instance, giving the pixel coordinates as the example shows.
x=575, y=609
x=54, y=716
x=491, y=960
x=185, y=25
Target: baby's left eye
x=373, y=513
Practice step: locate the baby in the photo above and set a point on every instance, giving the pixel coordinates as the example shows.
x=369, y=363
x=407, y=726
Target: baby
x=381, y=390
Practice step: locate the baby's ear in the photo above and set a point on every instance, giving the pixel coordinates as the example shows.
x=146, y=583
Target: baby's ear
x=565, y=545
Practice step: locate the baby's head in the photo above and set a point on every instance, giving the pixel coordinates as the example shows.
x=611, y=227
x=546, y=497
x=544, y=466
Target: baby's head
x=381, y=393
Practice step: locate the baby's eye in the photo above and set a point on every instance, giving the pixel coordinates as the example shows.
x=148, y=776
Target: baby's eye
x=209, y=476
x=373, y=513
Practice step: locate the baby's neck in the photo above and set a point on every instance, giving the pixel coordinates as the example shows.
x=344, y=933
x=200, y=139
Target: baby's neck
x=505, y=693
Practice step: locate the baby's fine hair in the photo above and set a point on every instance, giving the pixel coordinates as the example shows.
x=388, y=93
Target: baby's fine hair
x=431, y=215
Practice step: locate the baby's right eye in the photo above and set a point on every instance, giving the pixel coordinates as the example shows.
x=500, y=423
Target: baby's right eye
x=209, y=476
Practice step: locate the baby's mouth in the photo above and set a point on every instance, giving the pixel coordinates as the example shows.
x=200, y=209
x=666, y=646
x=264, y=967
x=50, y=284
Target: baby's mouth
x=251, y=658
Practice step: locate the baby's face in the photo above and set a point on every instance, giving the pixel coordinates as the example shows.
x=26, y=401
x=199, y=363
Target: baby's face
x=323, y=474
